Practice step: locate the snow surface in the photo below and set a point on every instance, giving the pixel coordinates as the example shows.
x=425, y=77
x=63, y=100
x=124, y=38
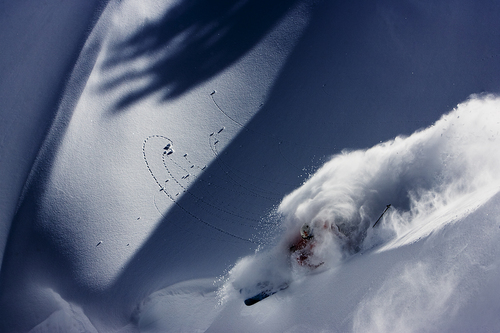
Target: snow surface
x=40, y=44
x=192, y=139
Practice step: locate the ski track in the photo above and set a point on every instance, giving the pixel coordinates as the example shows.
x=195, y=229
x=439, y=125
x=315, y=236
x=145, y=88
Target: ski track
x=244, y=184
x=172, y=197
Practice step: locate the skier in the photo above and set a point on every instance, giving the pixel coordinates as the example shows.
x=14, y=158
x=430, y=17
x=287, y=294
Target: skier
x=347, y=236
x=302, y=248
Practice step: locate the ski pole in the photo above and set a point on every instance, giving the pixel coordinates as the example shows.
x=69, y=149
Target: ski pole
x=386, y=208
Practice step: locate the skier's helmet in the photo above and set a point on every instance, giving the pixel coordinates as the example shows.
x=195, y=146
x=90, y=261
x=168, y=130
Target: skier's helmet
x=306, y=231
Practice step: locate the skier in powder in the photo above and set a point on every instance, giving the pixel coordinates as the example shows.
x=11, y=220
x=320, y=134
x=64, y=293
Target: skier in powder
x=311, y=235
x=302, y=248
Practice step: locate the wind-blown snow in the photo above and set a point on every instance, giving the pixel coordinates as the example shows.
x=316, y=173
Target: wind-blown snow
x=433, y=177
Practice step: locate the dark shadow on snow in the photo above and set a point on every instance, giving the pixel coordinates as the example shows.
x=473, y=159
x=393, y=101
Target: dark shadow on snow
x=193, y=41
x=358, y=86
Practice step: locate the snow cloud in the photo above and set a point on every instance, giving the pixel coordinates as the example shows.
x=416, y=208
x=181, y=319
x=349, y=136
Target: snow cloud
x=444, y=171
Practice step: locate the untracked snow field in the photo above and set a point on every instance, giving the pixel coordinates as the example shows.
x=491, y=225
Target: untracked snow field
x=158, y=159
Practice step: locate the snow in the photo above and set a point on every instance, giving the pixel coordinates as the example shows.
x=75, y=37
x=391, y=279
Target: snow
x=40, y=44
x=180, y=149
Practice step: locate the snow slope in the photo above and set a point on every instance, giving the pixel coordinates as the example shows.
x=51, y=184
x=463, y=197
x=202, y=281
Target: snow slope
x=193, y=139
x=40, y=45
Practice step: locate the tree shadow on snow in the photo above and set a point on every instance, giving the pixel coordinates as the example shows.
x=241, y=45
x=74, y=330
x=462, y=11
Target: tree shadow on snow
x=192, y=42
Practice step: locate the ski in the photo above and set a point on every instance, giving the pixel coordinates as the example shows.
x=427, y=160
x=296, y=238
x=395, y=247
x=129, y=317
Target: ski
x=264, y=294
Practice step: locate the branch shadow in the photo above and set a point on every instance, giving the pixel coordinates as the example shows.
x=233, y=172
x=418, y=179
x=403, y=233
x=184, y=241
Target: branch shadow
x=191, y=43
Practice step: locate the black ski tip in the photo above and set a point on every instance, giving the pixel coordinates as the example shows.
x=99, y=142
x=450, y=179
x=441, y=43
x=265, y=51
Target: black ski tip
x=259, y=297
x=264, y=294
x=251, y=301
